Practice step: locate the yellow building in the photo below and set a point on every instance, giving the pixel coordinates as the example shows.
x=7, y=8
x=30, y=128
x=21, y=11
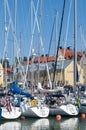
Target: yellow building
x=64, y=72
x=84, y=73
x=1, y=75
x=69, y=73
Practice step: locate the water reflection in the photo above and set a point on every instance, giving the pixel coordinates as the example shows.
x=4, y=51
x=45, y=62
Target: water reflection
x=82, y=124
x=65, y=124
x=29, y=124
x=70, y=122
x=35, y=124
x=45, y=124
x=10, y=126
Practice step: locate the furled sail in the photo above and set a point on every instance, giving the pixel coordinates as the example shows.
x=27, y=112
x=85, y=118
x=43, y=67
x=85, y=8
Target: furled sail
x=16, y=90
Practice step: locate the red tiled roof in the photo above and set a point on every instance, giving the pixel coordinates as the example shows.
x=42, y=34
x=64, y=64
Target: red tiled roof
x=66, y=52
x=69, y=53
x=44, y=59
x=51, y=58
x=79, y=53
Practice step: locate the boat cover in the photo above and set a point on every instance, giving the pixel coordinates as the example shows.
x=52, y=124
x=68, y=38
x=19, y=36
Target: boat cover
x=17, y=90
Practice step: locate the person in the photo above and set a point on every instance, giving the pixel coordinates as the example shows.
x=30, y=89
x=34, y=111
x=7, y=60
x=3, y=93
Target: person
x=9, y=106
x=8, y=103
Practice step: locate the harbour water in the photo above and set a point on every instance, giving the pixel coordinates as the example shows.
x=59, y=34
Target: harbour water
x=74, y=123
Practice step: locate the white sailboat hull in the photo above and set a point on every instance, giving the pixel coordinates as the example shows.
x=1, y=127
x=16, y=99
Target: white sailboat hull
x=35, y=111
x=14, y=114
x=69, y=110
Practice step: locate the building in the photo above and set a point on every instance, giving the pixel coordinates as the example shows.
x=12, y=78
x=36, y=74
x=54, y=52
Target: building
x=64, y=69
x=65, y=53
x=1, y=75
x=64, y=72
x=83, y=66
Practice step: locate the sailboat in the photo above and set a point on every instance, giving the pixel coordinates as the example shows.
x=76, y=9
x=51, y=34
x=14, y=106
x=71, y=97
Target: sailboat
x=14, y=114
x=34, y=108
x=57, y=102
x=8, y=111
x=30, y=107
x=37, y=111
x=82, y=86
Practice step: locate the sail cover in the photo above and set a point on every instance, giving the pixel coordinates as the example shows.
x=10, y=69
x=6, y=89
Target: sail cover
x=16, y=90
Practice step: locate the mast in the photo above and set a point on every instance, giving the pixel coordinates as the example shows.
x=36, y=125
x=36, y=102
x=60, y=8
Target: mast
x=32, y=50
x=5, y=43
x=81, y=37
x=58, y=44
x=56, y=29
x=14, y=64
x=75, y=40
x=4, y=22
x=39, y=40
x=31, y=17
x=20, y=45
x=55, y=21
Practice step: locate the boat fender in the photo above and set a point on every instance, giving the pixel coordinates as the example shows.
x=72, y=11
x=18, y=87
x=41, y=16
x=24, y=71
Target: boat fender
x=83, y=115
x=33, y=102
x=58, y=117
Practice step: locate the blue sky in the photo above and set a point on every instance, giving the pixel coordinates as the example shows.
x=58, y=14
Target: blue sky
x=48, y=13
